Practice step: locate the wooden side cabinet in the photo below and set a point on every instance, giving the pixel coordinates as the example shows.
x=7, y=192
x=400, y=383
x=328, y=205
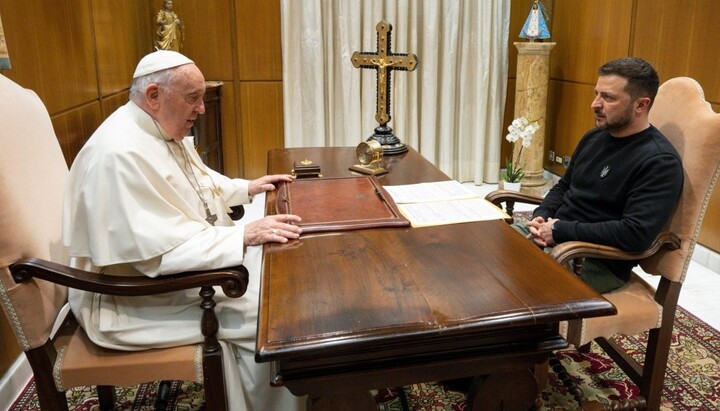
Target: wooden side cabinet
x=208, y=128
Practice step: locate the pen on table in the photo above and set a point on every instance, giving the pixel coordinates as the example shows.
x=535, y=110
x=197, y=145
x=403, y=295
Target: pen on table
x=380, y=194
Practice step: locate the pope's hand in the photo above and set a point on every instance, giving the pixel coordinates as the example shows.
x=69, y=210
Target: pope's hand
x=273, y=229
x=267, y=183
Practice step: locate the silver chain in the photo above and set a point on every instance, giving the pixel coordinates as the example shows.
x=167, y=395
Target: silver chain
x=210, y=218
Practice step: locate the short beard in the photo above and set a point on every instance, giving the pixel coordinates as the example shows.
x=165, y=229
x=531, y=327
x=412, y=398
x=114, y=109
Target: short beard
x=619, y=124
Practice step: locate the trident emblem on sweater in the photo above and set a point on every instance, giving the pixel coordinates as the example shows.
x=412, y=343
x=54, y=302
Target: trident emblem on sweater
x=605, y=171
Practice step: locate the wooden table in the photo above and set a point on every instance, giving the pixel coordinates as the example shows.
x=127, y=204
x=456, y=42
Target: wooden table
x=342, y=313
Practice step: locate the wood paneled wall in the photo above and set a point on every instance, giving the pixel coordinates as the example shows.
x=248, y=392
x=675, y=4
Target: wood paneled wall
x=77, y=56
x=678, y=37
x=238, y=42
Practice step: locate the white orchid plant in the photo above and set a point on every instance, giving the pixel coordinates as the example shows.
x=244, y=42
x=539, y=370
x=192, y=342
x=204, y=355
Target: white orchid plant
x=520, y=128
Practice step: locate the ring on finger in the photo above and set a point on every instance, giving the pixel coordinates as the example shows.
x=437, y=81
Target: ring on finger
x=274, y=231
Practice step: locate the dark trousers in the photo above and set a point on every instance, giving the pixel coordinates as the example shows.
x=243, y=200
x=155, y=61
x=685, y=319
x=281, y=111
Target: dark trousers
x=594, y=272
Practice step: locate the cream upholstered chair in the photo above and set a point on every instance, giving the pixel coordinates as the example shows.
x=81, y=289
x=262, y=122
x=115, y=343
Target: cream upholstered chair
x=687, y=120
x=34, y=279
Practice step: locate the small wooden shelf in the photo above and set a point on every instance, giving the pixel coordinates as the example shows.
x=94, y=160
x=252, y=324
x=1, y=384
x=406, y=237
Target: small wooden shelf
x=208, y=128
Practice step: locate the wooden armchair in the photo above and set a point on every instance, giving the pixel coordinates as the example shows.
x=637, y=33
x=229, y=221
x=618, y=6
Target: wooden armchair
x=34, y=280
x=687, y=120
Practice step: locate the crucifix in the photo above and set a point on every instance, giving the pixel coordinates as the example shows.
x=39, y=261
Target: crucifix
x=384, y=62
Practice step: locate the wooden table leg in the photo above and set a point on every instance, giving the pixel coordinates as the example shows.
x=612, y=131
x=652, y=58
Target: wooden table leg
x=542, y=371
x=507, y=391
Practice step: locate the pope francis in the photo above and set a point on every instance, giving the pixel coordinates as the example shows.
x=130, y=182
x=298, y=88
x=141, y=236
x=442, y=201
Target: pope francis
x=140, y=201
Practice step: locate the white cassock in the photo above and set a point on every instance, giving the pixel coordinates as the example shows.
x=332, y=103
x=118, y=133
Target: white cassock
x=130, y=209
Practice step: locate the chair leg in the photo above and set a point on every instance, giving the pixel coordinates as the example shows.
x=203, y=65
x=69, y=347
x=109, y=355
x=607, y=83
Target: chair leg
x=51, y=399
x=213, y=377
x=567, y=380
x=163, y=395
x=214, y=382
x=658, y=346
x=656, y=358
x=106, y=397
x=542, y=371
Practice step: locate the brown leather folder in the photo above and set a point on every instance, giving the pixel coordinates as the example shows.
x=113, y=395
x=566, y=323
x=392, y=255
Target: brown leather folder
x=336, y=204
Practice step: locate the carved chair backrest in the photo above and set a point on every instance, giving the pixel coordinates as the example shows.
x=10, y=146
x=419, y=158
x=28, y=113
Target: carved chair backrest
x=32, y=179
x=687, y=120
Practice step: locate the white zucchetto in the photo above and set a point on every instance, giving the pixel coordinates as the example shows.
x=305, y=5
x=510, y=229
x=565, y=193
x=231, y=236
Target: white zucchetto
x=160, y=60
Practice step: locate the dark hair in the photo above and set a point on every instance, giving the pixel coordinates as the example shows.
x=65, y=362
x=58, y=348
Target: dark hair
x=642, y=78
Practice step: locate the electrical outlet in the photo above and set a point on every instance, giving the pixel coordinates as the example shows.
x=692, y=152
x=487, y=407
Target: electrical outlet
x=551, y=155
x=566, y=161
x=558, y=159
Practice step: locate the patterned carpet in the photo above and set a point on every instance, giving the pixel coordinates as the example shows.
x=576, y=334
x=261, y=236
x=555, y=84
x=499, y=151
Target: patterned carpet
x=692, y=381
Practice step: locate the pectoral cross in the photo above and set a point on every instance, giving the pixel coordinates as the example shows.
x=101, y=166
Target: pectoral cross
x=384, y=62
x=211, y=218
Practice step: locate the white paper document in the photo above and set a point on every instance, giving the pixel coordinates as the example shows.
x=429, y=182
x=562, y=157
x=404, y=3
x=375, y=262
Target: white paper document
x=442, y=202
x=425, y=192
x=451, y=212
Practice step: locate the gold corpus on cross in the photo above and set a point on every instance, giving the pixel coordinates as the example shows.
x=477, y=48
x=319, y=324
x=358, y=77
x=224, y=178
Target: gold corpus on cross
x=384, y=62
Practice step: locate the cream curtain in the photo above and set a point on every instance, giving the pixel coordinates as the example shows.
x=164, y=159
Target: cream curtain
x=450, y=108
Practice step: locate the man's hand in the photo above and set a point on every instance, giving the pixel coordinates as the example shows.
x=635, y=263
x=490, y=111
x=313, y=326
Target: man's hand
x=541, y=231
x=273, y=229
x=267, y=183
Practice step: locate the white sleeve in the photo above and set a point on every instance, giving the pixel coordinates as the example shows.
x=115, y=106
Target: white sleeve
x=235, y=191
x=213, y=248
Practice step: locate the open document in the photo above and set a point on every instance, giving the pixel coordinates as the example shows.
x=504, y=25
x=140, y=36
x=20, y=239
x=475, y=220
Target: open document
x=442, y=202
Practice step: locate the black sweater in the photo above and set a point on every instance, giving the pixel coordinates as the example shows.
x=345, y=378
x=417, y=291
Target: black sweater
x=616, y=191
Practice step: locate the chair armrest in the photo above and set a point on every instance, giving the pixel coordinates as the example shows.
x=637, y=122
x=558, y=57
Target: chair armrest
x=564, y=252
x=237, y=213
x=500, y=196
x=508, y=197
x=233, y=281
